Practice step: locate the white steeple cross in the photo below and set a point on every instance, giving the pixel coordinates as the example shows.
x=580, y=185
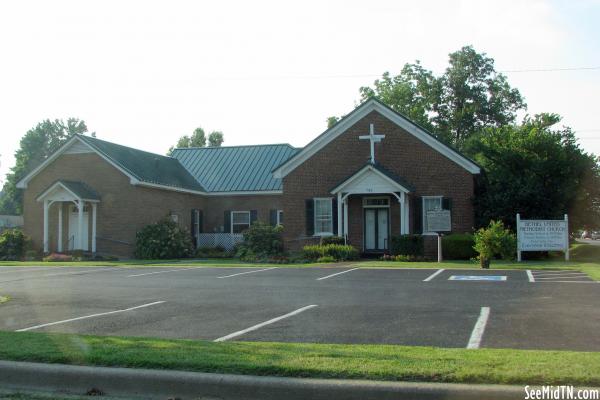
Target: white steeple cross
x=374, y=139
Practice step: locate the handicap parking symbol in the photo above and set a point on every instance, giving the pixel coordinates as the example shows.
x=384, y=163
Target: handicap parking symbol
x=477, y=278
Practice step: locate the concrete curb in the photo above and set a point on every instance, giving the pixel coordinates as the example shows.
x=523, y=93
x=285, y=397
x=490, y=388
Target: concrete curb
x=160, y=384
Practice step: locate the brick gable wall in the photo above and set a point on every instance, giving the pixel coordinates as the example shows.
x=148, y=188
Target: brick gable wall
x=430, y=172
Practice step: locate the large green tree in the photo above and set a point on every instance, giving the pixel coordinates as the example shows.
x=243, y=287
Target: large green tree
x=537, y=169
x=37, y=144
x=198, y=139
x=469, y=96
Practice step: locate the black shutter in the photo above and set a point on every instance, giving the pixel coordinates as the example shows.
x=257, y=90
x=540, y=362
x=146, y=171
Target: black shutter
x=200, y=221
x=418, y=214
x=273, y=217
x=334, y=214
x=310, y=217
x=446, y=203
x=227, y=221
x=253, y=216
x=193, y=226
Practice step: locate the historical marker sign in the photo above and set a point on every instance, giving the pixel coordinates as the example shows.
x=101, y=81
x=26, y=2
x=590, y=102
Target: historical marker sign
x=439, y=221
x=542, y=235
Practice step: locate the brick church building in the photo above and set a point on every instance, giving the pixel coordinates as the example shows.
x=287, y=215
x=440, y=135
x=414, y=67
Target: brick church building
x=371, y=176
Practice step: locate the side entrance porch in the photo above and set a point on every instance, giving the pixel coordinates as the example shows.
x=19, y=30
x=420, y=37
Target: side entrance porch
x=70, y=214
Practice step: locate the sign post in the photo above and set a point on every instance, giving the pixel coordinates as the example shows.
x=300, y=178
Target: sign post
x=439, y=221
x=542, y=235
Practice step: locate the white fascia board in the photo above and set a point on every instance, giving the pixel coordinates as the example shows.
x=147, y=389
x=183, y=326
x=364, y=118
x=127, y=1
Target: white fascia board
x=166, y=187
x=51, y=188
x=208, y=194
x=248, y=193
x=373, y=105
x=359, y=174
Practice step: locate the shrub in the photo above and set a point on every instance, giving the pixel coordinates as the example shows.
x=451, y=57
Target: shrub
x=163, y=239
x=212, y=252
x=404, y=258
x=494, y=241
x=338, y=252
x=13, y=244
x=458, y=246
x=411, y=245
x=260, y=241
x=332, y=240
x=325, y=259
x=58, y=257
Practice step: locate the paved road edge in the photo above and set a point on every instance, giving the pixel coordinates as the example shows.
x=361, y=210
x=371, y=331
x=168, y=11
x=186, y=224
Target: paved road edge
x=160, y=384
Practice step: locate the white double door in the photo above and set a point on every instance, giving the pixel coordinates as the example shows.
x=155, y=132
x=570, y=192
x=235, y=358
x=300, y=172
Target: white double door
x=377, y=228
x=74, y=230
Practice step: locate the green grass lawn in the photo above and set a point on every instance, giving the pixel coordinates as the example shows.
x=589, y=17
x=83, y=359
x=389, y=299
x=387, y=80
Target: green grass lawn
x=584, y=257
x=374, y=362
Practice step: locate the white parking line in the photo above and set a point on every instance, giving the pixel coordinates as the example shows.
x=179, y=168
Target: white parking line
x=567, y=281
x=561, y=274
x=562, y=277
x=530, y=276
x=162, y=272
x=65, y=274
x=88, y=316
x=430, y=277
x=258, y=326
x=337, y=273
x=479, y=328
x=244, y=273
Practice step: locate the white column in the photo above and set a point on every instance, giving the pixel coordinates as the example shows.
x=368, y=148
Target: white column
x=402, y=200
x=518, y=238
x=60, y=227
x=567, y=238
x=45, y=226
x=94, y=210
x=80, y=226
x=346, y=217
x=339, y=214
x=406, y=215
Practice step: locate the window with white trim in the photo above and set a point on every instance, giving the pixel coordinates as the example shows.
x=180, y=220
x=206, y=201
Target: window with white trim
x=430, y=203
x=279, y=217
x=323, y=217
x=240, y=221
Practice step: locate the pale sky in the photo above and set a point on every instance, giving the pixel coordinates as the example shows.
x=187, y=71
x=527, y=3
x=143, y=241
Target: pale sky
x=143, y=73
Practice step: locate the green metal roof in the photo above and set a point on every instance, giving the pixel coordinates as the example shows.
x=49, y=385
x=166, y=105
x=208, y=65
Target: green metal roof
x=146, y=167
x=235, y=168
x=80, y=189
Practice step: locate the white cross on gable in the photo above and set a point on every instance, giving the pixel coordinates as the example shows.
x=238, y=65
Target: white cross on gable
x=373, y=138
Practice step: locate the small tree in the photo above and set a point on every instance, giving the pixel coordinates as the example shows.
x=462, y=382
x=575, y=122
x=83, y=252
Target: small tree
x=493, y=241
x=13, y=244
x=161, y=240
x=261, y=241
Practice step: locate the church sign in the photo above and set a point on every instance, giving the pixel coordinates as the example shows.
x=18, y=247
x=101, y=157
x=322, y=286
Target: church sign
x=542, y=235
x=439, y=221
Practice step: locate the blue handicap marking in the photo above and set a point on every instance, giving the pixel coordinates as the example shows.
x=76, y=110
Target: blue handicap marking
x=477, y=278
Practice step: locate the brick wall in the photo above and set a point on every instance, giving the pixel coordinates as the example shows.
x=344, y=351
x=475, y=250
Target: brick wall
x=122, y=211
x=215, y=207
x=430, y=172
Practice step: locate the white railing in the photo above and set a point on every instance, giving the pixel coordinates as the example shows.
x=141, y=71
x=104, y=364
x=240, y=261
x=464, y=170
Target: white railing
x=225, y=240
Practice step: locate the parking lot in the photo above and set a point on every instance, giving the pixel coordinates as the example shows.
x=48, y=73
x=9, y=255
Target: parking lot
x=426, y=307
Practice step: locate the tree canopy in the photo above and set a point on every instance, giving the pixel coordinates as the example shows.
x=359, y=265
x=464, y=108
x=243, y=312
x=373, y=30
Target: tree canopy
x=198, y=139
x=469, y=96
x=536, y=169
x=37, y=144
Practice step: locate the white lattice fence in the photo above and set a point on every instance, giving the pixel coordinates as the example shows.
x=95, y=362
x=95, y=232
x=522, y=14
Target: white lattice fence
x=226, y=240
